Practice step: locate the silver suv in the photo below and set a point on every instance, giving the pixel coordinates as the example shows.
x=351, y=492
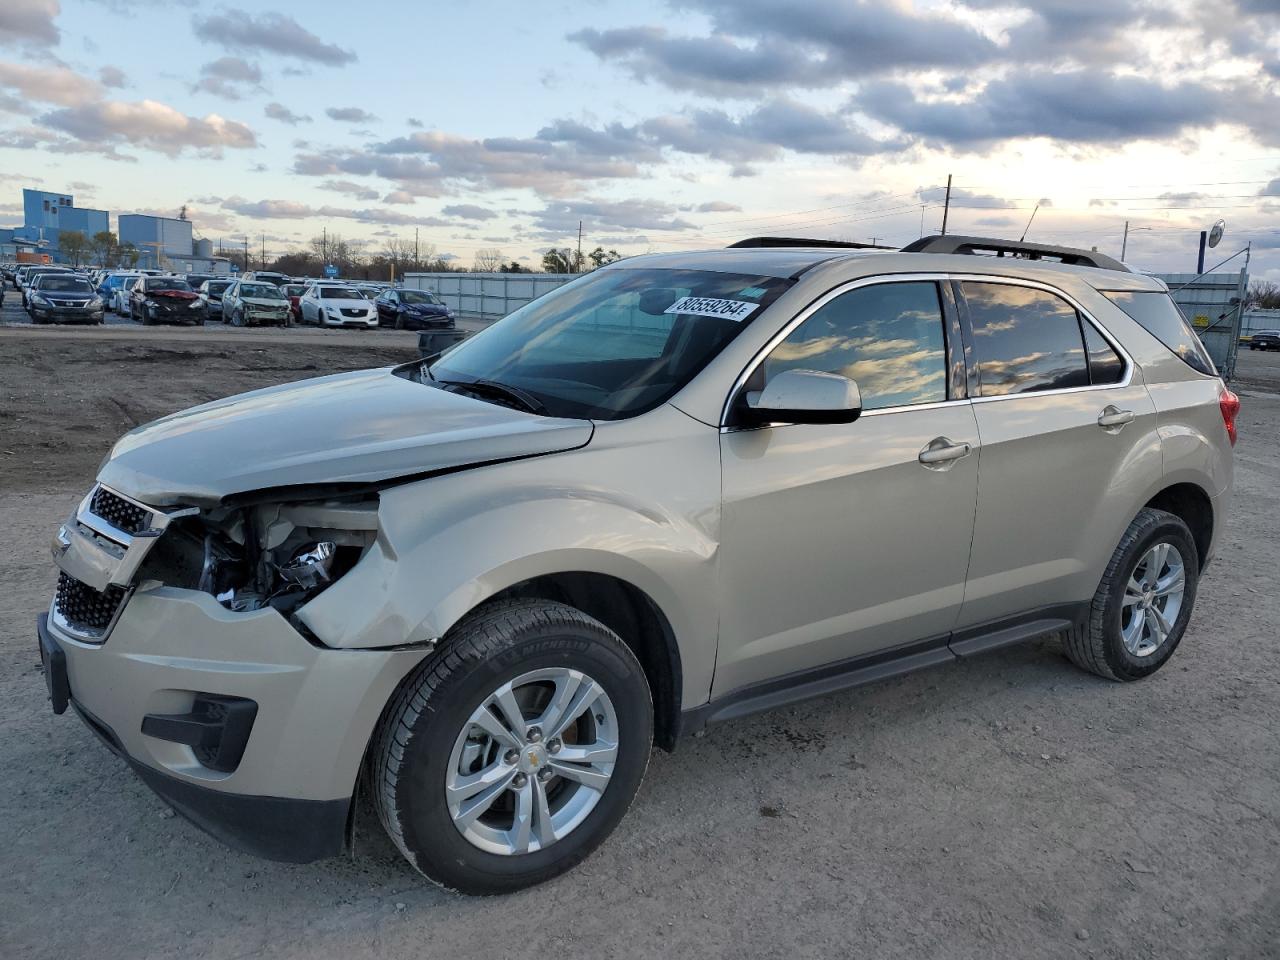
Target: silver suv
x=678, y=490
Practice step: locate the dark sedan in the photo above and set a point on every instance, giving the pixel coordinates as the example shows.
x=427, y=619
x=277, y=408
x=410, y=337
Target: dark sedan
x=1265, y=340
x=165, y=300
x=63, y=298
x=413, y=310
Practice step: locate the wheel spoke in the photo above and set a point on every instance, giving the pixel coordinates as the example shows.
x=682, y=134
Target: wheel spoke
x=522, y=827
x=583, y=697
x=1171, y=584
x=1157, y=557
x=464, y=788
x=471, y=810
x=1137, y=629
x=1159, y=625
x=486, y=721
x=1130, y=598
x=543, y=827
x=511, y=713
x=566, y=686
x=586, y=776
x=602, y=751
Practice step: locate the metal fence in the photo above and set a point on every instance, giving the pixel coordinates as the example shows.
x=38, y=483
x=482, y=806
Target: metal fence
x=1259, y=319
x=486, y=296
x=1213, y=304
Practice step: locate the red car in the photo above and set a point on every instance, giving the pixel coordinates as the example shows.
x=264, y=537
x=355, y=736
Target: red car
x=293, y=291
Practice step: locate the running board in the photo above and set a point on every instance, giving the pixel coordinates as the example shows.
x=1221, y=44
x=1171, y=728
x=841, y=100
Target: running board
x=858, y=671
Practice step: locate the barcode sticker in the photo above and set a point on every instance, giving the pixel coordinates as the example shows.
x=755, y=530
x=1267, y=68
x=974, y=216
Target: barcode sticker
x=737, y=310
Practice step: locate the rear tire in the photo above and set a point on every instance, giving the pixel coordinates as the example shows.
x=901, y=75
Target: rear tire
x=1144, y=602
x=429, y=743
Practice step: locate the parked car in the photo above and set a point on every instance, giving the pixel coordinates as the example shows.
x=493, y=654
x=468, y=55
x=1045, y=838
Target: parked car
x=110, y=283
x=121, y=297
x=27, y=276
x=294, y=292
x=682, y=489
x=165, y=300
x=63, y=298
x=336, y=305
x=1265, y=340
x=413, y=310
x=267, y=276
x=249, y=303
x=210, y=293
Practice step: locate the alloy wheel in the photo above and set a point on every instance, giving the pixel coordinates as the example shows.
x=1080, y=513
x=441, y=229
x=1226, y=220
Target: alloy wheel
x=1152, y=599
x=532, y=761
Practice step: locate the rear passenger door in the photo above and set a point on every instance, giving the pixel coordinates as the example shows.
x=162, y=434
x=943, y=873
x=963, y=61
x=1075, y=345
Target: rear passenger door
x=1067, y=428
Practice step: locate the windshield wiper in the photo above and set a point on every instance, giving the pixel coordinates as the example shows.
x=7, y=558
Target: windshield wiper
x=493, y=388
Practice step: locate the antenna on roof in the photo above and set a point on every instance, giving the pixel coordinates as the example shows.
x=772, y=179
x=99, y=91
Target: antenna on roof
x=1029, y=219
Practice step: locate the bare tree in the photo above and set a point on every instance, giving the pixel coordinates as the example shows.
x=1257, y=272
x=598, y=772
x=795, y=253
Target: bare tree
x=73, y=245
x=488, y=259
x=1264, y=295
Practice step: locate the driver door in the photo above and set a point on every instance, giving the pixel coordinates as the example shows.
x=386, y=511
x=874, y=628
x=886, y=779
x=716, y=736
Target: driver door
x=837, y=541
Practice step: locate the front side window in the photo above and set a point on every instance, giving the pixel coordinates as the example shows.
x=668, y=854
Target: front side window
x=417, y=296
x=1025, y=340
x=613, y=343
x=888, y=338
x=1161, y=318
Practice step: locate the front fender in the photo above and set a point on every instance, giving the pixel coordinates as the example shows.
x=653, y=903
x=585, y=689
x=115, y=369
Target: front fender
x=639, y=503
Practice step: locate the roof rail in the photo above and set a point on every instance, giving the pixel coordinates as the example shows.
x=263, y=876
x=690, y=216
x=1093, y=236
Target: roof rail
x=1014, y=248
x=805, y=242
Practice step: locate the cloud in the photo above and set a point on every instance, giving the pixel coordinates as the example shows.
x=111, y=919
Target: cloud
x=414, y=122
x=229, y=78
x=112, y=77
x=29, y=23
x=757, y=44
x=150, y=124
x=399, y=196
x=349, y=114
x=357, y=190
x=718, y=206
x=1079, y=106
x=58, y=85
x=1272, y=189
x=294, y=210
x=468, y=211
x=272, y=32
x=561, y=218
x=278, y=111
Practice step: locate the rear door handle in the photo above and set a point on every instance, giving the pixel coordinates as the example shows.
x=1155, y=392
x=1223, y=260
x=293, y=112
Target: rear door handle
x=941, y=453
x=1113, y=417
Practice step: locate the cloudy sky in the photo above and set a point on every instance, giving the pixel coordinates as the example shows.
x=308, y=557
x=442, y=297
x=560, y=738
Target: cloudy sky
x=660, y=125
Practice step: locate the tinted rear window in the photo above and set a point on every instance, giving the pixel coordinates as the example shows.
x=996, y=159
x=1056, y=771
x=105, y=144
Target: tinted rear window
x=1160, y=317
x=1025, y=339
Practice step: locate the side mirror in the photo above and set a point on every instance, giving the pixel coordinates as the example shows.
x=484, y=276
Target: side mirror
x=803, y=396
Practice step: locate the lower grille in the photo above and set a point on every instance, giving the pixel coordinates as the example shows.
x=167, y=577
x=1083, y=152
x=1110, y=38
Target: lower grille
x=119, y=512
x=350, y=312
x=85, y=609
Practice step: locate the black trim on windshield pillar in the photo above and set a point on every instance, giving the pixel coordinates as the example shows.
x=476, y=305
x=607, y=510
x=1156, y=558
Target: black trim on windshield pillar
x=957, y=375
x=966, y=333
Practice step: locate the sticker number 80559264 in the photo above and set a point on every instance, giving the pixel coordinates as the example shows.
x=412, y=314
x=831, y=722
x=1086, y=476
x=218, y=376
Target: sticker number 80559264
x=737, y=310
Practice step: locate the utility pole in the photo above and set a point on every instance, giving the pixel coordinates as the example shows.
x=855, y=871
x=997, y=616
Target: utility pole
x=578, y=265
x=324, y=245
x=1124, y=244
x=415, y=248
x=246, y=253
x=1204, y=239
x=264, y=251
x=946, y=208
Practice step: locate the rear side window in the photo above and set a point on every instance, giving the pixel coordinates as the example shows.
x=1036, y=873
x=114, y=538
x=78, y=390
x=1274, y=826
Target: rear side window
x=1160, y=317
x=1025, y=340
x=1105, y=365
x=888, y=338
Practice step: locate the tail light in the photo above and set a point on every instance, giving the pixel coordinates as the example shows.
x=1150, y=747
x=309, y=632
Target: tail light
x=1229, y=404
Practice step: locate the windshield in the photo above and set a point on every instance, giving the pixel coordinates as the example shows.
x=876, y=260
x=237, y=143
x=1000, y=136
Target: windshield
x=64, y=284
x=262, y=291
x=614, y=343
x=339, y=293
x=217, y=286
x=293, y=290
x=154, y=286
x=132, y=282
x=418, y=296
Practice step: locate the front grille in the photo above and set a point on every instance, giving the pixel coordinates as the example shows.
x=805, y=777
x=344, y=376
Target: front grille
x=119, y=512
x=84, y=608
x=354, y=312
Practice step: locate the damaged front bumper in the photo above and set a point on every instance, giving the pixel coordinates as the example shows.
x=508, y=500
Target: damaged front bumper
x=252, y=730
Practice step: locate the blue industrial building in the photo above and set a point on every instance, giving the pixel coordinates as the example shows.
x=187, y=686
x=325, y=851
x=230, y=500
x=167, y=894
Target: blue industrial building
x=46, y=215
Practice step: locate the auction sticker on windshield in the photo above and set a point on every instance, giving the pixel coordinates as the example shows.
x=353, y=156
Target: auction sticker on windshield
x=737, y=310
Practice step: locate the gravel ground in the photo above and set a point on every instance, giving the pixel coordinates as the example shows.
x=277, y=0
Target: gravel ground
x=1008, y=806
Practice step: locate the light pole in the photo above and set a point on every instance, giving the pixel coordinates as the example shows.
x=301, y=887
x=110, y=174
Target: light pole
x=1124, y=246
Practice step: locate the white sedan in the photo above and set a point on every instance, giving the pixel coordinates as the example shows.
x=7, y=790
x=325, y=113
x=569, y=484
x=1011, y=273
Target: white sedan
x=120, y=296
x=336, y=305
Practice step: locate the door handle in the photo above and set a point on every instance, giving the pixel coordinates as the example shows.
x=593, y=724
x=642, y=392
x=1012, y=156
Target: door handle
x=941, y=452
x=1113, y=417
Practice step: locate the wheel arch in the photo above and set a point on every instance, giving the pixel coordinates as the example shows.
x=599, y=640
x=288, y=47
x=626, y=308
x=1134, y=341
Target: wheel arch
x=634, y=616
x=1191, y=503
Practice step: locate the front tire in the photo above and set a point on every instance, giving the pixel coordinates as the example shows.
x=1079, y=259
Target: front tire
x=1144, y=602
x=511, y=754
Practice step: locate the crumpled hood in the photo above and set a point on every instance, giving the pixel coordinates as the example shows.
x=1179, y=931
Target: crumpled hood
x=358, y=427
